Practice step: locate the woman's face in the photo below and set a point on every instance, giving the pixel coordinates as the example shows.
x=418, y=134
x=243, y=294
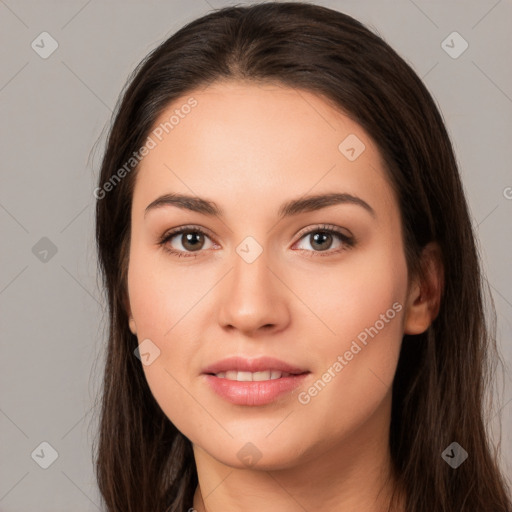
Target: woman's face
x=266, y=280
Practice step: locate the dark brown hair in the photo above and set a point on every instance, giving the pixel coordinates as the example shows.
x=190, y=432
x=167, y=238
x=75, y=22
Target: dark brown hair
x=143, y=463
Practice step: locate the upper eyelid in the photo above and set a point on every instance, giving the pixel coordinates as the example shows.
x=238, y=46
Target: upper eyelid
x=179, y=230
x=325, y=227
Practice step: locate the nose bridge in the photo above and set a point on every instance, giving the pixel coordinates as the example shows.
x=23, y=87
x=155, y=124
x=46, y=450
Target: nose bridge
x=251, y=266
x=253, y=295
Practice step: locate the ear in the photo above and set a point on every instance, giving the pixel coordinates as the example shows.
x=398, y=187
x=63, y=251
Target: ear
x=131, y=321
x=131, y=324
x=424, y=296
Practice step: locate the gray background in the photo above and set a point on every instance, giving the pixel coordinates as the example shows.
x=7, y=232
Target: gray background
x=54, y=110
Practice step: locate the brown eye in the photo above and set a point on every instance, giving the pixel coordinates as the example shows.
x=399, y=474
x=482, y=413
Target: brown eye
x=184, y=241
x=192, y=240
x=322, y=238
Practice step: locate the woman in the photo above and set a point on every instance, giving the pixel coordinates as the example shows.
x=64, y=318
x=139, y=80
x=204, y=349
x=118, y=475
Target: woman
x=295, y=298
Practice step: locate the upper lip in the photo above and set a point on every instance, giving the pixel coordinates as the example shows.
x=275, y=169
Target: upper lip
x=259, y=364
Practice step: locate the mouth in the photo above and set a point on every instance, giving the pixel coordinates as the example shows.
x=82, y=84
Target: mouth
x=253, y=382
x=253, y=376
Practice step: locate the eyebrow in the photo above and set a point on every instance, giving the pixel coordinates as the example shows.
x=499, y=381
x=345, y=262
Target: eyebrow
x=290, y=208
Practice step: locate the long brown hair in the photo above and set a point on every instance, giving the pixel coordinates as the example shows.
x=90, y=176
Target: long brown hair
x=143, y=463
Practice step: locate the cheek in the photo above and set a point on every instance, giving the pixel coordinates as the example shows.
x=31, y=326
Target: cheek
x=157, y=306
x=362, y=304
x=151, y=302
x=347, y=299
x=166, y=305
x=158, y=297
x=356, y=378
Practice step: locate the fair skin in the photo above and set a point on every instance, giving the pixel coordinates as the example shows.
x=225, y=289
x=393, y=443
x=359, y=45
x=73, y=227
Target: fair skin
x=250, y=148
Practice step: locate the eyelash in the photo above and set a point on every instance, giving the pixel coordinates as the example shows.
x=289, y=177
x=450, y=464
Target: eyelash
x=348, y=242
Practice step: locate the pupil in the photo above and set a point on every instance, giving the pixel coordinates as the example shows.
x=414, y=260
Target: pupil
x=324, y=235
x=189, y=237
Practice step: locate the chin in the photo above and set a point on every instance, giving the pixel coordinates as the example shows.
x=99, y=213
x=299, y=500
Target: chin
x=260, y=453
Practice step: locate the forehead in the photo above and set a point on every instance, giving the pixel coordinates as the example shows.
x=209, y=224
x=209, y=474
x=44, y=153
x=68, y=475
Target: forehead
x=256, y=143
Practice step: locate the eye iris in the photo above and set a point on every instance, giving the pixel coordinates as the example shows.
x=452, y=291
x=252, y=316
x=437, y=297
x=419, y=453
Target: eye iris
x=321, y=235
x=191, y=238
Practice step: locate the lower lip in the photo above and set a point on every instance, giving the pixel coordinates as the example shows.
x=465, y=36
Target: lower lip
x=252, y=392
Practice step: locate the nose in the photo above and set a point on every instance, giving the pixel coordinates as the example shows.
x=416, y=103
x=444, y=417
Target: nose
x=253, y=298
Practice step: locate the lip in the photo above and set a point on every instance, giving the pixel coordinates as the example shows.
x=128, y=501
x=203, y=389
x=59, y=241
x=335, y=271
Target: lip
x=253, y=393
x=259, y=364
